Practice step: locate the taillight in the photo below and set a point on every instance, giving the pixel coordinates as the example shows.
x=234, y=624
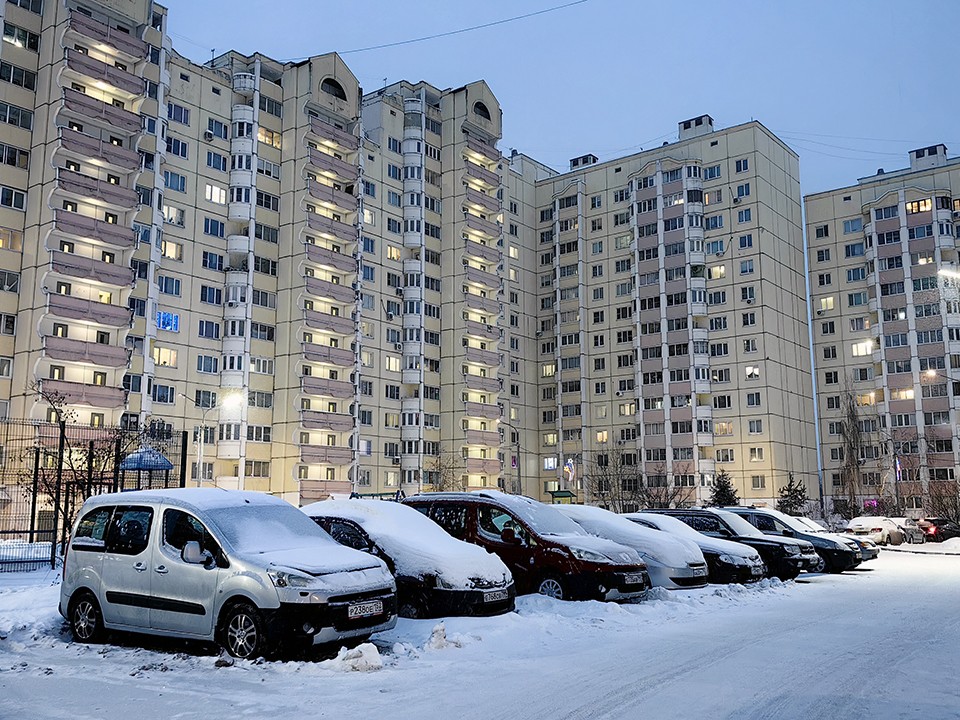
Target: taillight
x=932, y=530
x=876, y=530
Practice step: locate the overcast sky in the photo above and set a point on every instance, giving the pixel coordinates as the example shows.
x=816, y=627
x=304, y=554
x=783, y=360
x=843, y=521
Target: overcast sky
x=851, y=85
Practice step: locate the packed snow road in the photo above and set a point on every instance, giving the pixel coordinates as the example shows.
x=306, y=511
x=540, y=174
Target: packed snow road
x=879, y=642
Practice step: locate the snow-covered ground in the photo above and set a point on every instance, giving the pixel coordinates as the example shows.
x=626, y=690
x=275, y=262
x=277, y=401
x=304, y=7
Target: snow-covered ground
x=879, y=642
x=947, y=547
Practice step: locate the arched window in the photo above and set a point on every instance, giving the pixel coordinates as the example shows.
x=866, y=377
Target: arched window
x=332, y=87
x=480, y=109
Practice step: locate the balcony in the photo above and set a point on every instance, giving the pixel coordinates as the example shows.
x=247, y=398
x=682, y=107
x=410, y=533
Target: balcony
x=481, y=277
x=481, y=200
x=58, y=348
x=333, y=228
x=482, y=148
x=487, y=252
x=316, y=420
x=83, y=226
x=326, y=454
x=312, y=385
x=115, y=77
x=482, y=175
x=91, y=147
x=489, y=332
x=323, y=129
x=89, y=107
x=476, y=302
x=484, y=227
x=244, y=83
x=74, y=393
x=122, y=42
x=483, y=410
x=88, y=268
x=238, y=244
x=329, y=323
x=75, y=308
x=331, y=258
x=340, y=357
x=483, y=437
x=329, y=164
x=330, y=195
x=478, y=382
x=481, y=357
x=482, y=466
x=327, y=289
x=88, y=187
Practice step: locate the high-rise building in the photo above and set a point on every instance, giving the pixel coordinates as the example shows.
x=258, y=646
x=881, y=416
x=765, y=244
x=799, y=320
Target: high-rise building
x=884, y=294
x=339, y=292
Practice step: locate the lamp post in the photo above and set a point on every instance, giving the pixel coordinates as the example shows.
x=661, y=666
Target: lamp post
x=230, y=401
x=519, y=457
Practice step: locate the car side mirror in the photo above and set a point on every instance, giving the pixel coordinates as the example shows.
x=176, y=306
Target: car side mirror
x=787, y=532
x=509, y=536
x=193, y=555
x=723, y=532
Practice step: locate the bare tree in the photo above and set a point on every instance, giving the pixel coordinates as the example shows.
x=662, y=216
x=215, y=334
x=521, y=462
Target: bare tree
x=444, y=471
x=613, y=484
x=943, y=499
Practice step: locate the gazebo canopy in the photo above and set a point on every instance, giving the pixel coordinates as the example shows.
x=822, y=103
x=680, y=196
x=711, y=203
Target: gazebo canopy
x=146, y=459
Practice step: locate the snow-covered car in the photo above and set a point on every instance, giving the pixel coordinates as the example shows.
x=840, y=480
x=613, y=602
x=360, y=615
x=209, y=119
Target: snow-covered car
x=546, y=551
x=436, y=574
x=869, y=550
x=673, y=563
x=910, y=529
x=728, y=561
x=243, y=569
x=882, y=530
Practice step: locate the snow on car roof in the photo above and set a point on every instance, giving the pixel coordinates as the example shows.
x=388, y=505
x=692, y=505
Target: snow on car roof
x=679, y=528
x=189, y=498
x=665, y=549
x=416, y=544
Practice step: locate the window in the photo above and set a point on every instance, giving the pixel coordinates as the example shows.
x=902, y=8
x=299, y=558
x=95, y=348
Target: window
x=11, y=198
x=18, y=76
x=17, y=116
x=176, y=146
x=216, y=161
x=744, y=216
x=743, y=165
x=268, y=201
x=21, y=38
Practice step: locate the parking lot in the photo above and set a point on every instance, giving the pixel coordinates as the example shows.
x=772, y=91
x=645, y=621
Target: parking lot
x=878, y=641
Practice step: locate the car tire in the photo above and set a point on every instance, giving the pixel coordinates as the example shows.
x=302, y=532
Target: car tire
x=413, y=605
x=86, y=619
x=243, y=632
x=551, y=586
x=821, y=565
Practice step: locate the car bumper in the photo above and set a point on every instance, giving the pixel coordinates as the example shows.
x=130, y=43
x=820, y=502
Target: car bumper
x=299, y=624
x=626, y=584
x=842, y=559
x=725, y=573
x=677, y=578
x=441, y=602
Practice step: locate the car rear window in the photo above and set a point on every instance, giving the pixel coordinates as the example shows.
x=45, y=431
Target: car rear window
x=92, y=530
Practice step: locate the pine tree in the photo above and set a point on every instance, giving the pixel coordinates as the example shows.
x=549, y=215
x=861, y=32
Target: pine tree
x=723, y=493
x=793, y=497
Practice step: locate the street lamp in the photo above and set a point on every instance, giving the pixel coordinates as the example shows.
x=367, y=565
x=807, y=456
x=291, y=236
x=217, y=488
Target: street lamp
x=233, y=400
x=519, y=457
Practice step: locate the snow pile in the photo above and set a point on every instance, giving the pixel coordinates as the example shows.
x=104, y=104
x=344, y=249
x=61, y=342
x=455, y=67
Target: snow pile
x=362, y=658
x=439, y=640
x=947, y=547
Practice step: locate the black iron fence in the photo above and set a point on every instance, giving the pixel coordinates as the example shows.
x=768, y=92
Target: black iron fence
x=47, y=470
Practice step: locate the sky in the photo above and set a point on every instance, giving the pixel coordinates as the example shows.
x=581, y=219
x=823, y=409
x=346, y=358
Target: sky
x=850, y=85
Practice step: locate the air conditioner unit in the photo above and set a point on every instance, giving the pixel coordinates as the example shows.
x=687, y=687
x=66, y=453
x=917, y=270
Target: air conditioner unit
x=396, y=460
x=398, y=346
x=389, y=316
x=956, y=214
x=619, y=442
x=207, y=135
x=619, y=393
x=749, y=302
x=465, y=261
x=232, y=303
x=400, y=292
x=355, y=285
x=719, y=254
x=819, y=312
x=736, y=200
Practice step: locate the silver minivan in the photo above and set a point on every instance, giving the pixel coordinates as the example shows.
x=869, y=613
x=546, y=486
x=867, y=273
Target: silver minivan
x=244, y=569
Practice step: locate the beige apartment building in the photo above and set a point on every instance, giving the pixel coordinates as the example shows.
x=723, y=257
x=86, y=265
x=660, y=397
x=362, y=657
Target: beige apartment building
x=336, y=291
x=884, y=295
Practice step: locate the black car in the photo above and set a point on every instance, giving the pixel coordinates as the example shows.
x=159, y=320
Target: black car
x=939, y=529
x=785, y=559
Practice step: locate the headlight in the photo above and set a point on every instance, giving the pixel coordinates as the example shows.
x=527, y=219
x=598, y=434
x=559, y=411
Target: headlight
x=588, y=555
x=732, y=560
x=282, y=579
x=441, y=583
x=791, y=549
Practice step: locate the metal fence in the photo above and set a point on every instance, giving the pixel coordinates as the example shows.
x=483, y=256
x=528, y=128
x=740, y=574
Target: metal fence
x=47, y=470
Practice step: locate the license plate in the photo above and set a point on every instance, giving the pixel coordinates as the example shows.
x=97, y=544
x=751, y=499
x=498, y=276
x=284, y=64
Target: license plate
x=699, y=572
x=365, y=609
x=756, y=571
x=633, y=579
x=495, y=595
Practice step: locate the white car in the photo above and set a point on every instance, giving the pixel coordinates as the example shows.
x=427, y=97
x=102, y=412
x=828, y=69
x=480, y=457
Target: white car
x=869, y=550
x=882, y=530
x=911, y=530
x=672, y=562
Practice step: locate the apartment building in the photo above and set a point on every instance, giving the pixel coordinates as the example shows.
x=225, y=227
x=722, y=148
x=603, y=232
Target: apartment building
x=884, y=294
x=336, y=291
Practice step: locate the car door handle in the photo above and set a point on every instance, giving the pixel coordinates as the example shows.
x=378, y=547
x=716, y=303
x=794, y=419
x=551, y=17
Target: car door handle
x=160, y=570
x=139, y=567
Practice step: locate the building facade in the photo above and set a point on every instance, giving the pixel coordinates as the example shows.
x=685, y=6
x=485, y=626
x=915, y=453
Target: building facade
x=337, y=291
x=884, y=294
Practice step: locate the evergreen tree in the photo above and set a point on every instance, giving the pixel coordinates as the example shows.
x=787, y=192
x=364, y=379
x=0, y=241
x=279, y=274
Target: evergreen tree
x=723, y=492
x=793, y=497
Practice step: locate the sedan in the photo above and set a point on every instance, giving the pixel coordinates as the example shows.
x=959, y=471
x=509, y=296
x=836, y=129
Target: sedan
x=911, y=531
x=436, y=573
x=939, y=529
x=882, y=530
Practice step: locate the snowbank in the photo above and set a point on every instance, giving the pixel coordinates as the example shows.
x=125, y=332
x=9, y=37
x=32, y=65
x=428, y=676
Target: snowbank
x=947, y=547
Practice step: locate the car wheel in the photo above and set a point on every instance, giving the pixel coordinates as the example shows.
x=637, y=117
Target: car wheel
x=551, y=587
x=413, y=605
x=821, y=565
x=908, y=539
x=243, y=633
x=86, y=620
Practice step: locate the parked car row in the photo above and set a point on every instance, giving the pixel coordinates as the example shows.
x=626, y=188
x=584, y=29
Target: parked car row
x=254, y=574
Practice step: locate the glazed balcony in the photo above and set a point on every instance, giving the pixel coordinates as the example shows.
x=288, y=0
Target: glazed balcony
x=482, y=466
x=483, y=410
x=89, y=107
x=330, y=258
x=86, y=187
x=326, y=455
x=329, y=164
x=484, y=227
x=482, y=277
x=244, y=83
x=481, y=148
x=59, y=348
x=92, y=68
x=122, y=42
x=323, y=129
x=238, y=244
x=481, y=200
x=481, y=357
x=83, y=226
x=475, y=302
x=488, y=332
x=87, y=147
x=74, y=393
x=333, y=228
x=340, y=357
x=88, y=268
x=484, y=384
x=329, y=323
x=329, y=194
x=483, y=437
x=316, y=420
x=75, y=308
x=327, y=289
x=482, y=175
x=487, y=252
x=312, y=385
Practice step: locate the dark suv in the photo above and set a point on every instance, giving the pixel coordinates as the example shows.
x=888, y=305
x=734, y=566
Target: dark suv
x=545, y=550
x=939, y=529
x=784, y=558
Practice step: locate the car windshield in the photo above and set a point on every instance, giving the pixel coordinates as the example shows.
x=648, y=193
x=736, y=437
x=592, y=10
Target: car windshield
x=813, y=525
x=266, y=528
x=669, y=524
x=738, y=524
x=545, y=520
